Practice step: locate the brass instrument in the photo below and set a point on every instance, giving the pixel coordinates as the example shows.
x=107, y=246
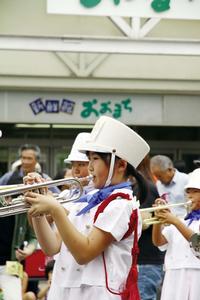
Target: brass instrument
x=155, y=220
x=8, y=187
x=17, y=205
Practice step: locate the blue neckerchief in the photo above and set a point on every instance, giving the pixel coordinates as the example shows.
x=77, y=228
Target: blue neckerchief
x=193, y=215
x=100, y=195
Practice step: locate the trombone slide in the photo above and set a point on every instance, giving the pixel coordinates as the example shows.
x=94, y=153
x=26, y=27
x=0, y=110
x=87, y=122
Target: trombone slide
x=50, y=183
x=155, y=220
x=159, y=207
x=17, y=205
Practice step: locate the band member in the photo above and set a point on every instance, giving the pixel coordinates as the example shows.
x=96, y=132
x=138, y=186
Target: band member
x=17, y=238
x=95, y=239
x=182, y=268
x=193, y=188
x=79, y=161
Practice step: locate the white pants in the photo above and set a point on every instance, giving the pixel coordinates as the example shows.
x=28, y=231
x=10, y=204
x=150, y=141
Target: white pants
x=81, y=293
x=11, y=285
x=181, y=284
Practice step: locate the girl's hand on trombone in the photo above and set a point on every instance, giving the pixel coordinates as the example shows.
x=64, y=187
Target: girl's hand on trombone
x=164, y=215
x=40, y=204
x=34, y=177
x=159, y=201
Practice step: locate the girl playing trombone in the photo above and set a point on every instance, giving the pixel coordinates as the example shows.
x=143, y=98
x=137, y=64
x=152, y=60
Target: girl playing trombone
x=95, y=239
x=182, y=268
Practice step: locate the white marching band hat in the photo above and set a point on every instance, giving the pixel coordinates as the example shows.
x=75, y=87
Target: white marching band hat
x=111, y=136
x=76, y=155
x=194, y=180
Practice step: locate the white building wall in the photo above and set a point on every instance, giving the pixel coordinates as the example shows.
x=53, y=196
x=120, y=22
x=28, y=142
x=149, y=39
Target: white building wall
x=163, y=75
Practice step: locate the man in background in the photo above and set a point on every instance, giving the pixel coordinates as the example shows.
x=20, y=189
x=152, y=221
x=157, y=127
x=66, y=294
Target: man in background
x=170, y=182
x=17, y=238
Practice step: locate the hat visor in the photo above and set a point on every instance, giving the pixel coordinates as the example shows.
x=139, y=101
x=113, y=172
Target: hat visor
x=80, y=157
x=93, y=147
x=192, y=186
x=66, y=160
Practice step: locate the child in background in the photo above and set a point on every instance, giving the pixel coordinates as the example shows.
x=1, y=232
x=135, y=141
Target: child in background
x=79, y=161
x=43, y=293
x=78, y=168
x=95, y=239
x=78, y=165
x=26, y=295
x=182, y=268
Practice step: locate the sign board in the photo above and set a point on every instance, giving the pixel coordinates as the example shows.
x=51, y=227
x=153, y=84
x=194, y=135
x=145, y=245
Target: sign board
x=171, y=9
x=81, y=108
x=61, y=108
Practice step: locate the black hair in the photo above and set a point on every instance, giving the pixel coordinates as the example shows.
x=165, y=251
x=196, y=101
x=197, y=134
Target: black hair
x=30, y=147
x=131, y=173
x=49, y=267
x=142, y=187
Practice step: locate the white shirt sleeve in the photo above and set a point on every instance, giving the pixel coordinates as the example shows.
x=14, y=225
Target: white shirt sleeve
x=116, y=217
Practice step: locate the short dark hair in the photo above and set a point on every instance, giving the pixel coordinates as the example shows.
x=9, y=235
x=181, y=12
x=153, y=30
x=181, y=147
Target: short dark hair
x=30, y=147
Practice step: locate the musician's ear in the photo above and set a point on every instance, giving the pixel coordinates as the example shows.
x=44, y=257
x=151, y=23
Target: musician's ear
x=122, y=165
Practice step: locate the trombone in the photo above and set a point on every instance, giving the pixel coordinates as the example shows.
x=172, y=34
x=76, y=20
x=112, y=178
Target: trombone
x=18, y=206
x=155, y=220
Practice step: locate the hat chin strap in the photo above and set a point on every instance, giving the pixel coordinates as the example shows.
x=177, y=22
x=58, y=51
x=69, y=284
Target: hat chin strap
x=110, y=174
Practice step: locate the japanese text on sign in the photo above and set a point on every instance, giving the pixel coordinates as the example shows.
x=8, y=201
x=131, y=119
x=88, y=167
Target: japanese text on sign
x=94, y=108
x=90, y=108
x=157, y=5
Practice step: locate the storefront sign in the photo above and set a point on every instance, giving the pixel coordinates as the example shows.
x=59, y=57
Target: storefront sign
x=52, y=106
x=176, y=9
x=75, y=108
x=61, y=108
x=94, y=107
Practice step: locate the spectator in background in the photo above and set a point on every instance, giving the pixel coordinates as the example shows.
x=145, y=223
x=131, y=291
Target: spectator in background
x=29, y=156
x=26, y=295
x=17, y=238
x=170, y=182
x=17, y=164
x=43, y=293
x=150, y=258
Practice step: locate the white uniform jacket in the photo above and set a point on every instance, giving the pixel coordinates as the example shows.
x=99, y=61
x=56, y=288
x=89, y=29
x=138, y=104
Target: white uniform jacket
x=114, y=219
